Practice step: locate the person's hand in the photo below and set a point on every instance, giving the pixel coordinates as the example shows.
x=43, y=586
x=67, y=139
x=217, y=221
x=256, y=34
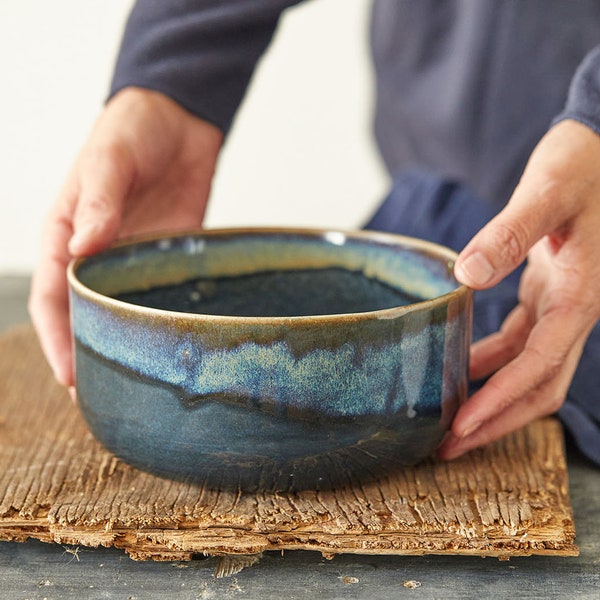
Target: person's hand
x=553, y=219
x=147, y=166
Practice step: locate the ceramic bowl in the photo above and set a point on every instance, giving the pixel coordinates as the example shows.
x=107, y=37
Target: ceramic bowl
x=270, y=358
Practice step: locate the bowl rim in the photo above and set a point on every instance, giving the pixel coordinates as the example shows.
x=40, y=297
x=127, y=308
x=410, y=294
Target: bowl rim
x=424, y=246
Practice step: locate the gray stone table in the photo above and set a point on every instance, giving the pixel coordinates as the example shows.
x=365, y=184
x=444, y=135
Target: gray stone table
x=34, y=570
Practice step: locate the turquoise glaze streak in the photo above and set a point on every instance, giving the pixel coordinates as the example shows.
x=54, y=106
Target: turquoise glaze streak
x=391, y=374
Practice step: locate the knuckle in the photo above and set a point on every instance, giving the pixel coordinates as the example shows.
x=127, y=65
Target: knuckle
x=510, y=242
x=99, y=203
x=550, y=363
x=579, y=304
x=539, y=366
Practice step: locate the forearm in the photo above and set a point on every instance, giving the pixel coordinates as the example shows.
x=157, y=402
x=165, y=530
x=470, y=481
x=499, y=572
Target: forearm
x=199, y=53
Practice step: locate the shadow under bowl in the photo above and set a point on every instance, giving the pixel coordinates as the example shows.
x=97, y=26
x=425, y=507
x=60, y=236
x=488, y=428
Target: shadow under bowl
x=269, y=358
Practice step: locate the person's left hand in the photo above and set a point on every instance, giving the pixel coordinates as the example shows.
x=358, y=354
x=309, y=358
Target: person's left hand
x=553, y=220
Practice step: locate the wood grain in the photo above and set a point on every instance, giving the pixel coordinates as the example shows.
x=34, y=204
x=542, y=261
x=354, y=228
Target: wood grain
x=57, y=484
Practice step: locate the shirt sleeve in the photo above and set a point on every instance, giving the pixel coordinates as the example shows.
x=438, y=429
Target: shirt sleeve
x=200, y=53
x=583, y=101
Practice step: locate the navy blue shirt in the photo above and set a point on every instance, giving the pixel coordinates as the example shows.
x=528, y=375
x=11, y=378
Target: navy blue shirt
x=465, y=89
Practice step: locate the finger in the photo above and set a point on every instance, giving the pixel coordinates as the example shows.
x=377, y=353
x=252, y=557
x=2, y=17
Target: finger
x=106, y=178
x=542, y=401
x=538, y=404
x=514, y=418
x=548, y=354
x=49, y=301
x=502, y=245
x=496, y=350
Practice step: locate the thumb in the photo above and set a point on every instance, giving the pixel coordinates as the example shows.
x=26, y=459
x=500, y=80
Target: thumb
x=106, y=178
x=503, y=244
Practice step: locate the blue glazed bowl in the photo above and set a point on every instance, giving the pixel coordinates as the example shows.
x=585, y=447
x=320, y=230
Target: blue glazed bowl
x=270, y=358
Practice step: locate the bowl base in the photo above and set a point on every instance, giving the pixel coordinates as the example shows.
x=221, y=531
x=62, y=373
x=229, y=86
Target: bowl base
x=227, y=443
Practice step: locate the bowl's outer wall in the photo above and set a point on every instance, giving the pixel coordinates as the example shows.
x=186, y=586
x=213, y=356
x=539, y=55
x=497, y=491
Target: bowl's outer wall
x=254, y=403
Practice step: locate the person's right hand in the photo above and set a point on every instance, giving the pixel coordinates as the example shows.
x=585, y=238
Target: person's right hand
x=147, y=166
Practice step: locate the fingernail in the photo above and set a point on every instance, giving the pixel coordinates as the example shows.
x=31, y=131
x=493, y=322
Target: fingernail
x=82, y=235
x=450, y=454
x=449, y=449
x=477, y=268
x=73, y=394
x=469, y=429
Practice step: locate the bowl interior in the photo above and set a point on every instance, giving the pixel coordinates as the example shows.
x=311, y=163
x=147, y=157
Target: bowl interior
x=267, y=273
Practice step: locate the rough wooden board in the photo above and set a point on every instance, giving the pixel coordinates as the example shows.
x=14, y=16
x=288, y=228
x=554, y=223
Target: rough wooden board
x=58, y=484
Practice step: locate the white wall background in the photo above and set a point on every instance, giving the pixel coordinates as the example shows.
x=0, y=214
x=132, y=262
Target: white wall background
x=300, y=153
